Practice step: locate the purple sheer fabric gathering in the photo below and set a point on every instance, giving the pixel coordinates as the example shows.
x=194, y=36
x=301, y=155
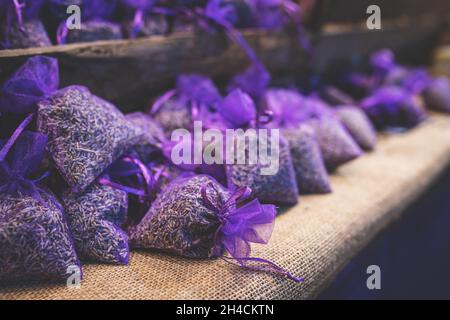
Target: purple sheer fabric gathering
x=390, y=107
x=35, y=240
x=242, y=225
x=34, y=80
x=17, y=169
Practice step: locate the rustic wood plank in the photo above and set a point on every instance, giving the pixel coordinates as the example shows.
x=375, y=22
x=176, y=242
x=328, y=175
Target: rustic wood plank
x=129, y=71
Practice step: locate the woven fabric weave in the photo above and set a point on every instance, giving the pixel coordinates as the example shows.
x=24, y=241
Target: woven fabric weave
x=314, y=239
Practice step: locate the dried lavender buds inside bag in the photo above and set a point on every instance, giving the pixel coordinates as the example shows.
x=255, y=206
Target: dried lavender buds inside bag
x=185, y=219
x=35, y=242
x=336, y=145
x=86, y=134
x=271, y=178
x=21, y=27
x=153, y=136
x=94, y=218
x=30, y=35
x=358, y=125
x=278, y=187
x=179, y=222
x=437, y=95
x=195, y=217
x=310, y=170
x=178, y=108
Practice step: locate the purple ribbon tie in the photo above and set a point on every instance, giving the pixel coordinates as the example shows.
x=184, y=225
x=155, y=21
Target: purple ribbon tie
x=252, y=222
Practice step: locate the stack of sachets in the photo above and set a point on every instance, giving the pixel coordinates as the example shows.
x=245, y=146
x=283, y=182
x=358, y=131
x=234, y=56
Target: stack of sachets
x=88, y=182
x=82, y=135
x=74, y=21
x=394, y=97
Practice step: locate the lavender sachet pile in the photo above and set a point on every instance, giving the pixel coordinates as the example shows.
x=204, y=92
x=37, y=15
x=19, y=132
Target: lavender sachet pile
x=78, y=21
x=21, y=26
x=80, y=136
x=35, y=240
x=81, y=181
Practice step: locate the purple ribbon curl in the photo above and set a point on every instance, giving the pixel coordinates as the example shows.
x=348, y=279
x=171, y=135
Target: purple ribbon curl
x=124, y=170
x=242, y=225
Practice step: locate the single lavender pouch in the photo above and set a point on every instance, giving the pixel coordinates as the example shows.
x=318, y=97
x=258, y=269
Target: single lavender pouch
x=437, y=94
x=180, y=222
x=21, y=27
x=86, y=134
x=263, y=162
x=197, y=218
x=179, y=107
x=153, y=138
x=358, y=125
x=286, y=106
x=34, y=80
x=141, y=21
x=311, y=173
x=148, y=25
x=272, y=180
x=94, y=30
x=94, y=218
x=336, y=144
x=394, y=107
x=35, y=242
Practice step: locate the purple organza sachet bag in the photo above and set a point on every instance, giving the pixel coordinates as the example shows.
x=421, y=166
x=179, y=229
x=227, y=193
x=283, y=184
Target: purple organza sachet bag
x=153, y=139
x=394, y=107
x=437, y=95
x=86, y=134
x=196, y=217
x=336, y=144
x=180, y=222
x=312, y=176
x=178, y=108
x=20, y=25
x=279, y=186
x=286, y=106
x=358, y=125
x=94, y=218
x=35, y=241
x=142, y=21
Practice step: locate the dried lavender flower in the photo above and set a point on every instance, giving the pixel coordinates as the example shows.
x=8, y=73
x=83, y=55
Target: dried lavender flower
x=336, y=145
x=279, y=188
x=358, y=125
x=179, y=221
x=312, y=176
x=94, y=218
x=86, y=134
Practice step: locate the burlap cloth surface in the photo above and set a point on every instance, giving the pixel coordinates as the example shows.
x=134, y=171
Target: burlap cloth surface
x=314, y=239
